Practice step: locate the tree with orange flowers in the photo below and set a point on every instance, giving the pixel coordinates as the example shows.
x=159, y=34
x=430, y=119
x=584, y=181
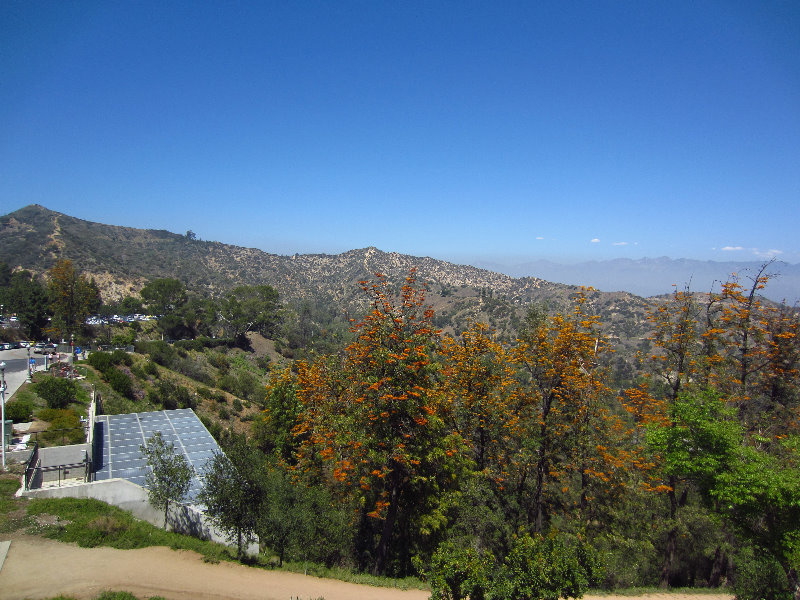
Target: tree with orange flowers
x=374, y=425
x=560, y=400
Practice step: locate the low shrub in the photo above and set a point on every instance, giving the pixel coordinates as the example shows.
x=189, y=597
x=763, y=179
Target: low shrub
x=57, y=392
x=20, y=411
x=119, y=382
x=120, y=357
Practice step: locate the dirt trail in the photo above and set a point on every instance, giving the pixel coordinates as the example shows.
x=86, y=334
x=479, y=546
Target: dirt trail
x=37, y=568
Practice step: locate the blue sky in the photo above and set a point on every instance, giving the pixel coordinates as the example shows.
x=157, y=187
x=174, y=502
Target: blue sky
x=466, y=131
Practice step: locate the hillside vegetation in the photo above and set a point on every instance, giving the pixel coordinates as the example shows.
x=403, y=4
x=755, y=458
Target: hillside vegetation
x=499, y=440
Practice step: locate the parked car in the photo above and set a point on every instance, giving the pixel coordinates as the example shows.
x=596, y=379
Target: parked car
x=38, y=348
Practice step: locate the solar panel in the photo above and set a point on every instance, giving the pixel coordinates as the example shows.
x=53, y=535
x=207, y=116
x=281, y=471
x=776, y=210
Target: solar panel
x=117, y=439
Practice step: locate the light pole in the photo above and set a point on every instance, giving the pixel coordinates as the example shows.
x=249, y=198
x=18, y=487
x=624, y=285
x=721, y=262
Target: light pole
x=30, y=370
x=3, y=410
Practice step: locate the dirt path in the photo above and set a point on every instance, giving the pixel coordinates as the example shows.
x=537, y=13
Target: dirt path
x=37, y=568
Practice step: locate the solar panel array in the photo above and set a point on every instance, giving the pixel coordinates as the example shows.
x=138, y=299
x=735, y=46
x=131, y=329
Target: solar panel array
x=117, y=439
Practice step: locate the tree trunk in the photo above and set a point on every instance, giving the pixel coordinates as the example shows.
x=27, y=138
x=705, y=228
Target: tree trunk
x=672, y=537
x=382, y=552
x=717, y=568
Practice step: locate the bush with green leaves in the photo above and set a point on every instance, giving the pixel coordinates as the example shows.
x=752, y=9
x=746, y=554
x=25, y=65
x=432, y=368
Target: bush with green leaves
x=160, y=352
x=120, y=357
x=57, y=392
x=171, y=395
x=119, y=382
x=100, y=360
x=457, y=572
x=150, y=368
x=758, y=575
x=20, y=411
x=545, y=568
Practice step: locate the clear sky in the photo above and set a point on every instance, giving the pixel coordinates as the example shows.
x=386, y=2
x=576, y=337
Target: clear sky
x=460, y=130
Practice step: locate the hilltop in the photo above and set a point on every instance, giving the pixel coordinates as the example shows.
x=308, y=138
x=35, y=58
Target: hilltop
x=123, y=259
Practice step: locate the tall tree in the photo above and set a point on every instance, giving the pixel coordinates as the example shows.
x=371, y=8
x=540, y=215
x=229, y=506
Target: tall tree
x=28, y=298
x=758, y=490
x=559, y=389
x=377, y=423
x=231, y=493
x=72, y=297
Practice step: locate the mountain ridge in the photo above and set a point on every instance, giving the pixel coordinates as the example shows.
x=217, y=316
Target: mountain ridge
x=123, y=259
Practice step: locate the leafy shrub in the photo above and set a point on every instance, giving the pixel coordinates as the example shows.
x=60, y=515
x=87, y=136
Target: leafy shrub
x=237, y=405
x=195, y=345
x=19, y=411
x=224, y=413
x=543, y=568
x=120, y=357
x=119, y=382
x=124, y=338
x=194, y=370
x=100, y=360
x=204, y=392
x=160, y=352
x=228, y=383
x=58, y=392
x=150, y=368
x=219, y=361
x=457, y=572
x=171, y=396
x=249, y=386
x=759, y=576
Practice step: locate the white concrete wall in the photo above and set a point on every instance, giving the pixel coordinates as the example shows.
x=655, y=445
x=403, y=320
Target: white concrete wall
x=133, y=498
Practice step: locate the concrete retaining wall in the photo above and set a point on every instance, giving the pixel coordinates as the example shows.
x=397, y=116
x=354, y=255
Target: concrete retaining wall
x=133, y=498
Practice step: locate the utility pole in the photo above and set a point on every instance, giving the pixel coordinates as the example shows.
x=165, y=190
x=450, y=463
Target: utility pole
x=3, y=410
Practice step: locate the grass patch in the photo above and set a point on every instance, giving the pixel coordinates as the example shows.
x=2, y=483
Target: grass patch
x=642, y=591
x=91, y=523
x=12, y=509
x=342, y=574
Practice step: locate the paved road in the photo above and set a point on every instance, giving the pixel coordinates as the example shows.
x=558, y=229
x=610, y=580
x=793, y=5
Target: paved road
x=17, y=368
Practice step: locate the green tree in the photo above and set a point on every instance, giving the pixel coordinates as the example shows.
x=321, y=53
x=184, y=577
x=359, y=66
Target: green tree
x=169, y=474
x=458, y=572
x=249, y=308
x=273, y=429
x=164, y=296
x=28, y=298
x=72, y=297
x=755, y=488
x=230, y=497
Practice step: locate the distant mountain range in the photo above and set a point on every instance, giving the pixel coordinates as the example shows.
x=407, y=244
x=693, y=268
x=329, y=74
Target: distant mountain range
x=656, y=276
